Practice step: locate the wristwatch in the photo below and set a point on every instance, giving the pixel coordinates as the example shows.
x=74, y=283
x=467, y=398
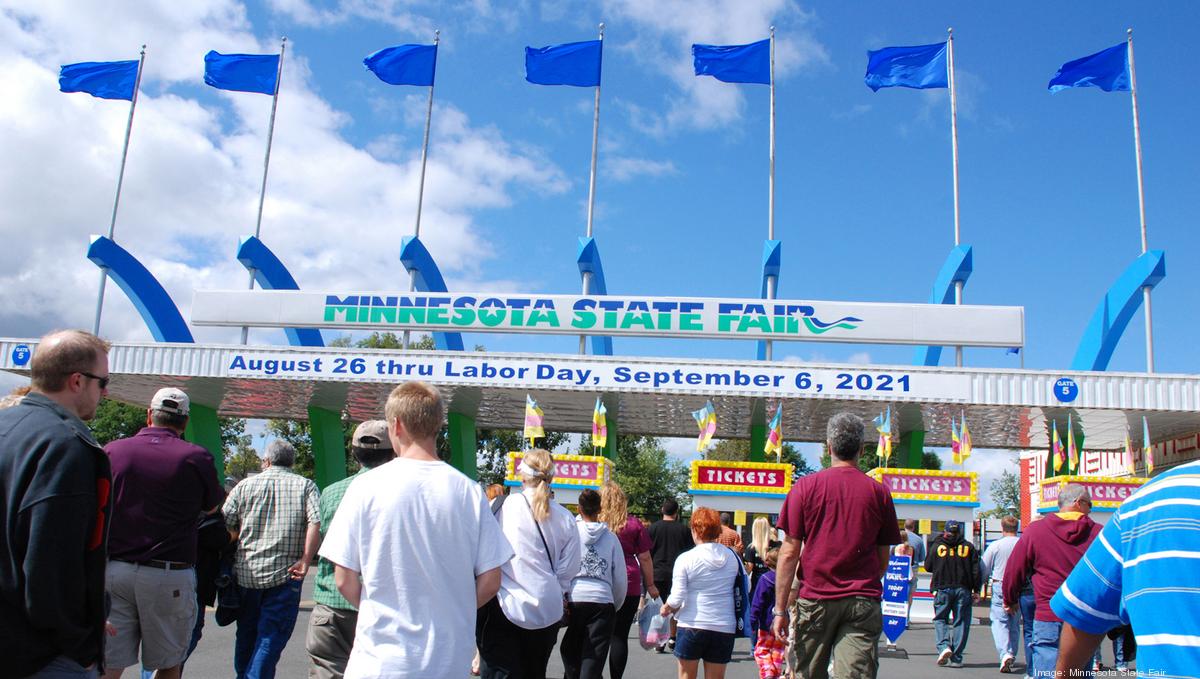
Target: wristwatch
x=778, y=613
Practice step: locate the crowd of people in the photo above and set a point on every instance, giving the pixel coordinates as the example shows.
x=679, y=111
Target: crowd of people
x=109, y=556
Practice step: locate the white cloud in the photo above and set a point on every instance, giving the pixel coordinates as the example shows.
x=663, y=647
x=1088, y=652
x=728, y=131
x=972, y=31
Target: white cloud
x=664, y=32
x=990, y=465
x=623, y=169
x=335, y=213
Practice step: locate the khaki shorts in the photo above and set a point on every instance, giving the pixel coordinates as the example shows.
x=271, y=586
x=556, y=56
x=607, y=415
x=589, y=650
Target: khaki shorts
x=846, y=630
x=153, y=608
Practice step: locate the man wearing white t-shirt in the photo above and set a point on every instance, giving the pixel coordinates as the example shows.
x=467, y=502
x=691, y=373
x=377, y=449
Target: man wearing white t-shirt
x=417, y=550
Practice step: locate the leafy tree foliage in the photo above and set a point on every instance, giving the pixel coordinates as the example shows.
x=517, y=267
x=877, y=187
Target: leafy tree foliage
x=116, y=420
x=1006, y=493
x=648, y=474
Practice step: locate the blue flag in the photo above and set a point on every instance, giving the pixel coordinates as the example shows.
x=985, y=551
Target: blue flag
x=573, y=63
x=735, y=63
x=404, y=64
x=1107, y=69
x=921, y=67
x=103, y=79
x=242, y=72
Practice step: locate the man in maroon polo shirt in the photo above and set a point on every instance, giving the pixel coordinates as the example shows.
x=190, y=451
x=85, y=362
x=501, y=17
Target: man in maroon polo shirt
x=161, y=486
x=846, y=523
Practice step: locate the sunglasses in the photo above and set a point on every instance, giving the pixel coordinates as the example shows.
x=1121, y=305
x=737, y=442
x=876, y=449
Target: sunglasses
x=102, y=380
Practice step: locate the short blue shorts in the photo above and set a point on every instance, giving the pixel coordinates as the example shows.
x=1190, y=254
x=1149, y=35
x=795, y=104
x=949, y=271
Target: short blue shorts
x=702, y=644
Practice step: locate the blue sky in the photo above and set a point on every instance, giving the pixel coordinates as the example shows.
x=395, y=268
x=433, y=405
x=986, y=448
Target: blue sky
x=863, y=208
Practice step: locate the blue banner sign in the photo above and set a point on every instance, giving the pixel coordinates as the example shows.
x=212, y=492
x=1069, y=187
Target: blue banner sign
x=895, y=597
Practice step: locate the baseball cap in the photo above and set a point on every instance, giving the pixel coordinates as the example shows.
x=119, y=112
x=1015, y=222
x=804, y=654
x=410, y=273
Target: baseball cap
x=170, y=400
x=372, y=435
x=953, y=526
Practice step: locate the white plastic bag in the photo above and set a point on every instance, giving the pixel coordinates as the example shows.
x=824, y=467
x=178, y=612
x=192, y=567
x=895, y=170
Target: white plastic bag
x=653, y=628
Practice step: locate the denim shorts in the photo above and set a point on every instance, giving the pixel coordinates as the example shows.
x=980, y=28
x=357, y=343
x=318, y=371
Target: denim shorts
x=701, y=644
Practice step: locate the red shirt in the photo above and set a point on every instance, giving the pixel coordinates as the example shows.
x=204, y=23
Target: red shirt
x=842, y=516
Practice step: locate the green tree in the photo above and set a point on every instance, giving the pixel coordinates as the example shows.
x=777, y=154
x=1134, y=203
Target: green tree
x=648, y=474
x=738, y=450
x=494, y=445
x=1005, y=493
x=116, y=420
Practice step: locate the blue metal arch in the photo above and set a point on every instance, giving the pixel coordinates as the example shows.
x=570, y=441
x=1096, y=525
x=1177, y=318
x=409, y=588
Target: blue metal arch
x=958, y=267
x=772, y=261
x=1112, y=315
x=142, y=288
x=427, y=278
x=589, y=262
x=270, y=274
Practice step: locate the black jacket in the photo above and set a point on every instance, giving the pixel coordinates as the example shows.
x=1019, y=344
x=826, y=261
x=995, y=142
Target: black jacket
x=953, y=562
x=54, y=508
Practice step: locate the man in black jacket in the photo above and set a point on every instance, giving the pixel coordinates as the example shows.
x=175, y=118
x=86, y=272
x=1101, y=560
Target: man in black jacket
x=54, y=509
x=954, y=563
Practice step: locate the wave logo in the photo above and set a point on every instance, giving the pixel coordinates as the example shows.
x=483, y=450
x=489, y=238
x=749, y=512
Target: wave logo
x=818, y=327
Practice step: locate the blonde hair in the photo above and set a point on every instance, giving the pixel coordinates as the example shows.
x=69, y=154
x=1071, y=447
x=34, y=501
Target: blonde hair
x=614, y=507
x=418, y=406
x=542, y=463
x=762, y=536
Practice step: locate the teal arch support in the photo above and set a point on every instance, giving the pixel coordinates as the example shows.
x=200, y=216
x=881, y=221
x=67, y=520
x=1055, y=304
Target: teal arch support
x=957, y=269
x=1112, y=315
x=772, y=260
x=428, y=278
x=270, y=274
x=149, y=297
x=589, y=263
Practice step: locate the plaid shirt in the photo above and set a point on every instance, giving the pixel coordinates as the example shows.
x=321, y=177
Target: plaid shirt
x=271, y=512
x=324, y=589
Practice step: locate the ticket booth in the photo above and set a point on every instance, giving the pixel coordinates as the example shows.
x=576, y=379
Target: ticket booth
x=572, y=474
x=934, y=496
x=1107, y=493
x=751, y=487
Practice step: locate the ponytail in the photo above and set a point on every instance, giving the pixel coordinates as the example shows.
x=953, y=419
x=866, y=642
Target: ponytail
x=537, y=471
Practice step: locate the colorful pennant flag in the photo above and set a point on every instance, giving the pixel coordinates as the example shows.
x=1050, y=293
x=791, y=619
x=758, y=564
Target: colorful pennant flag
x=1072, y=451
x=242, y=72
x=1129, y=464
x=1056, y=449
x=735, y=63
x=883, y=425
x=101, y=79
x=955, y=442
x=920, y=67
x=599, y=425
x=964, y=450
x=574, y=63
x=775, y=435
x=533, y=421
x=404, y=64
x=1147, y=447
x=1107, y=69
x=706, y=419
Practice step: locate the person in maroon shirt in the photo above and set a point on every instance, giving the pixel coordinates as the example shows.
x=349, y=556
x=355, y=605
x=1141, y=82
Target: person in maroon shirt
x=840, y=526
x=161, y=486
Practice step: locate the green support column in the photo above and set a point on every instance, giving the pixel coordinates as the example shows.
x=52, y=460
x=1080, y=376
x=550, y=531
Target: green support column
x=328, y=445
x=204, y=430
x=758, y=441
x=911, y=450
x=610, y=444
x=463, y=446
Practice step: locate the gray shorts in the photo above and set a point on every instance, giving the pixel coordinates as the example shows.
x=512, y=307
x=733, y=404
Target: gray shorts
x=153, y=608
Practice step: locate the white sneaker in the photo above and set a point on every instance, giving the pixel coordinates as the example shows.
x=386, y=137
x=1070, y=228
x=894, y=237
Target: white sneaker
x=1006, y=664
x=944, y=657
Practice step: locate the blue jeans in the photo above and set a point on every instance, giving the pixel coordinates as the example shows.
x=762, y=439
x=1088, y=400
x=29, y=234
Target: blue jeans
x=952, y=634
x=63, y=667
x=1028, y=604
x=264, y=625
x=1005, y=627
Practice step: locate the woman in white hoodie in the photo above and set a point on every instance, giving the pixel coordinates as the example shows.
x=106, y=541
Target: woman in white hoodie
x=516, y=630
x=600, y=583
x=702, y=599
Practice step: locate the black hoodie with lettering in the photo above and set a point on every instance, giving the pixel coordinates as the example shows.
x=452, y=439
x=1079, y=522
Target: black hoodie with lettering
x=954, y=562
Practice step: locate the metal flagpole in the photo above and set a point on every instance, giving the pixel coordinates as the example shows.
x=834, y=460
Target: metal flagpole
x=587, y=276
x=958, y=285
x=771, y=282
x=412, y=281
x=1137, y=145
x=112, y=225
x=262, y=193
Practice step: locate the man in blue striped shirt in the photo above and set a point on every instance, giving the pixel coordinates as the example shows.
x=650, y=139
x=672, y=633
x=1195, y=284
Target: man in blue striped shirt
x=1141, y=570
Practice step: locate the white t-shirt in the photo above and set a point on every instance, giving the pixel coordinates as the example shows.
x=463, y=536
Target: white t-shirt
x=702, y=587
x=418, y=532
x=530, y=592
